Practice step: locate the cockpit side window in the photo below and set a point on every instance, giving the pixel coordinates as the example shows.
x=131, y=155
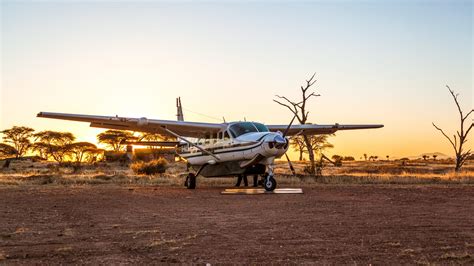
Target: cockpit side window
x=241, y=128
x=226, y=135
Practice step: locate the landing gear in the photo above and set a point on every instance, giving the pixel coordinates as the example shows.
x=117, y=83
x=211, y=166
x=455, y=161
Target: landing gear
x=269, y=183
x=190, y=182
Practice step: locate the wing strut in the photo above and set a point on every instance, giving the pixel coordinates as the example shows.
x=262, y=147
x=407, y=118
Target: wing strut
x=190, y=143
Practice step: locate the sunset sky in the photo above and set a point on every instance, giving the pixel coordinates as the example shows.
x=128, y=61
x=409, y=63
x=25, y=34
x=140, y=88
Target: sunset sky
x=376, y=62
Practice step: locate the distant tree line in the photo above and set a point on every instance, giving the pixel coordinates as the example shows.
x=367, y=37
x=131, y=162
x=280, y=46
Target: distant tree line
x=48, y=145
x=19, y=141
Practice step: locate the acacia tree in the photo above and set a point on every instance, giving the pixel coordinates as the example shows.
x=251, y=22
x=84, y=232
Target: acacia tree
x=114, y=138
x=458, y=141
x=80, y=149
x=298, y=108
x=92, y=155
x=19, y=137
x=53, y=144
x=7, y=150
x=318, y=143
x=154, y=137
x=298, y=145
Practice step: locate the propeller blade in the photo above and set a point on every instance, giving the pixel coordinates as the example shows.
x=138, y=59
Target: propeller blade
x=290, y=164
x=289, y=126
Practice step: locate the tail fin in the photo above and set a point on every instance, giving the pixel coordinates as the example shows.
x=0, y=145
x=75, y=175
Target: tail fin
x=179, y=107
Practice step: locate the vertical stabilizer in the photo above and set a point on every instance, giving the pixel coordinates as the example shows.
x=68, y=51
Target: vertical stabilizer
x=179, y=107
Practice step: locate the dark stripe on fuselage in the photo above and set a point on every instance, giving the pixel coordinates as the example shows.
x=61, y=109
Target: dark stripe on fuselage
x=220, y=152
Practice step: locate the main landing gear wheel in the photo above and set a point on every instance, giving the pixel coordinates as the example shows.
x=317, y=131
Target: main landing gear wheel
x=269, y=183
x=190, y=182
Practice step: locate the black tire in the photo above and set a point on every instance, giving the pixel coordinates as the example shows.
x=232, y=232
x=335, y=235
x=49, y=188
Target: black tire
x=186, y=181
x=190, y=181
x=269, y=184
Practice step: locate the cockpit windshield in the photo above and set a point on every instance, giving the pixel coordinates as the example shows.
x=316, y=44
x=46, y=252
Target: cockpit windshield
x=241, y=128
x=261, y=127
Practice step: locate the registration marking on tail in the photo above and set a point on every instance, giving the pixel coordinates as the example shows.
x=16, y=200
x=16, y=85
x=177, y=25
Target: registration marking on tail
x=257, y=191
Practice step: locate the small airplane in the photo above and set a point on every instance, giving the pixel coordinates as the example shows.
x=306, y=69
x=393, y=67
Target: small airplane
x=216, y=149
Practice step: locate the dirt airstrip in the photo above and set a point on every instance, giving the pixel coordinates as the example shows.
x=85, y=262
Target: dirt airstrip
x=328, y=224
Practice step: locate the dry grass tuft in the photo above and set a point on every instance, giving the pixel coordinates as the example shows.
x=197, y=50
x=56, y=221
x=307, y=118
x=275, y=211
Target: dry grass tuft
x=150, y=168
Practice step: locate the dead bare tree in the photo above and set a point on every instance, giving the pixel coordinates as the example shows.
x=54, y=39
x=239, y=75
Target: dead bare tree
x=299, y=111
x=458, y=141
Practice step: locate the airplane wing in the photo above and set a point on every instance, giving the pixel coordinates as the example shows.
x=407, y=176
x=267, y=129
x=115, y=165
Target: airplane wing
x=182, y=128
x=313, y=129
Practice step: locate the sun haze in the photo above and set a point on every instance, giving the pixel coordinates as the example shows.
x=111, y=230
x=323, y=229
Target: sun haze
x=376, y=62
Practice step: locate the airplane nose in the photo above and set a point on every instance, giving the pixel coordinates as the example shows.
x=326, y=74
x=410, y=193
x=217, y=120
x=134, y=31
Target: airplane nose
x=279, y=139
x=278, y=142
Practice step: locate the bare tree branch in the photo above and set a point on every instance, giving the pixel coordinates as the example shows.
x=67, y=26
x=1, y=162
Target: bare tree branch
x=455, y=97
x=469, y=129
x=468, y=113
x=287, y=106
x=452, y=143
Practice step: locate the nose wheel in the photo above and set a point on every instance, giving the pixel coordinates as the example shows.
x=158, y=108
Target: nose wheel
x=269, y=183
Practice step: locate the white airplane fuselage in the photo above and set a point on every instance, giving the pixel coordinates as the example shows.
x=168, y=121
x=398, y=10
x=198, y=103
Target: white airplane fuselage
x=230, y=148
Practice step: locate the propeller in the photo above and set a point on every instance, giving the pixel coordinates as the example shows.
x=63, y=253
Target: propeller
x=289, y=126
x=288, y=141
x=290, y=164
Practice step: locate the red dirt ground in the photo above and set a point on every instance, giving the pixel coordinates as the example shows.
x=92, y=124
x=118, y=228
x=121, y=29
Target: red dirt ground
x=328, y=224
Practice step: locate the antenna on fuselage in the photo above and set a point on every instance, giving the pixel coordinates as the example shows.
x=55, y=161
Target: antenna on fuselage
x=179, y=108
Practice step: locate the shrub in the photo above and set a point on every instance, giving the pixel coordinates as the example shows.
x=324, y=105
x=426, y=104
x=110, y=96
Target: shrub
x=149, y=168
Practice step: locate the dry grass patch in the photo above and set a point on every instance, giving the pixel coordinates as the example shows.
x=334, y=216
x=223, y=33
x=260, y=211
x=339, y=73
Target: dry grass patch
x=46, y=173
x=457, y=256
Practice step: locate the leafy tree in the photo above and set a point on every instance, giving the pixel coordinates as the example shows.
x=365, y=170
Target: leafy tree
x=114, y=139
x=154, y=137
x=19, y=137
x=435, y=156
x=388, y=157
x=348, y=158
x=425, y=157
x=298, y=144
x=53, y=144
x=336, y=157
x=93, y=155
x=80, y=149
x=319, y=143
x=365, y=156
x=7, y=150
x=457, y=142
